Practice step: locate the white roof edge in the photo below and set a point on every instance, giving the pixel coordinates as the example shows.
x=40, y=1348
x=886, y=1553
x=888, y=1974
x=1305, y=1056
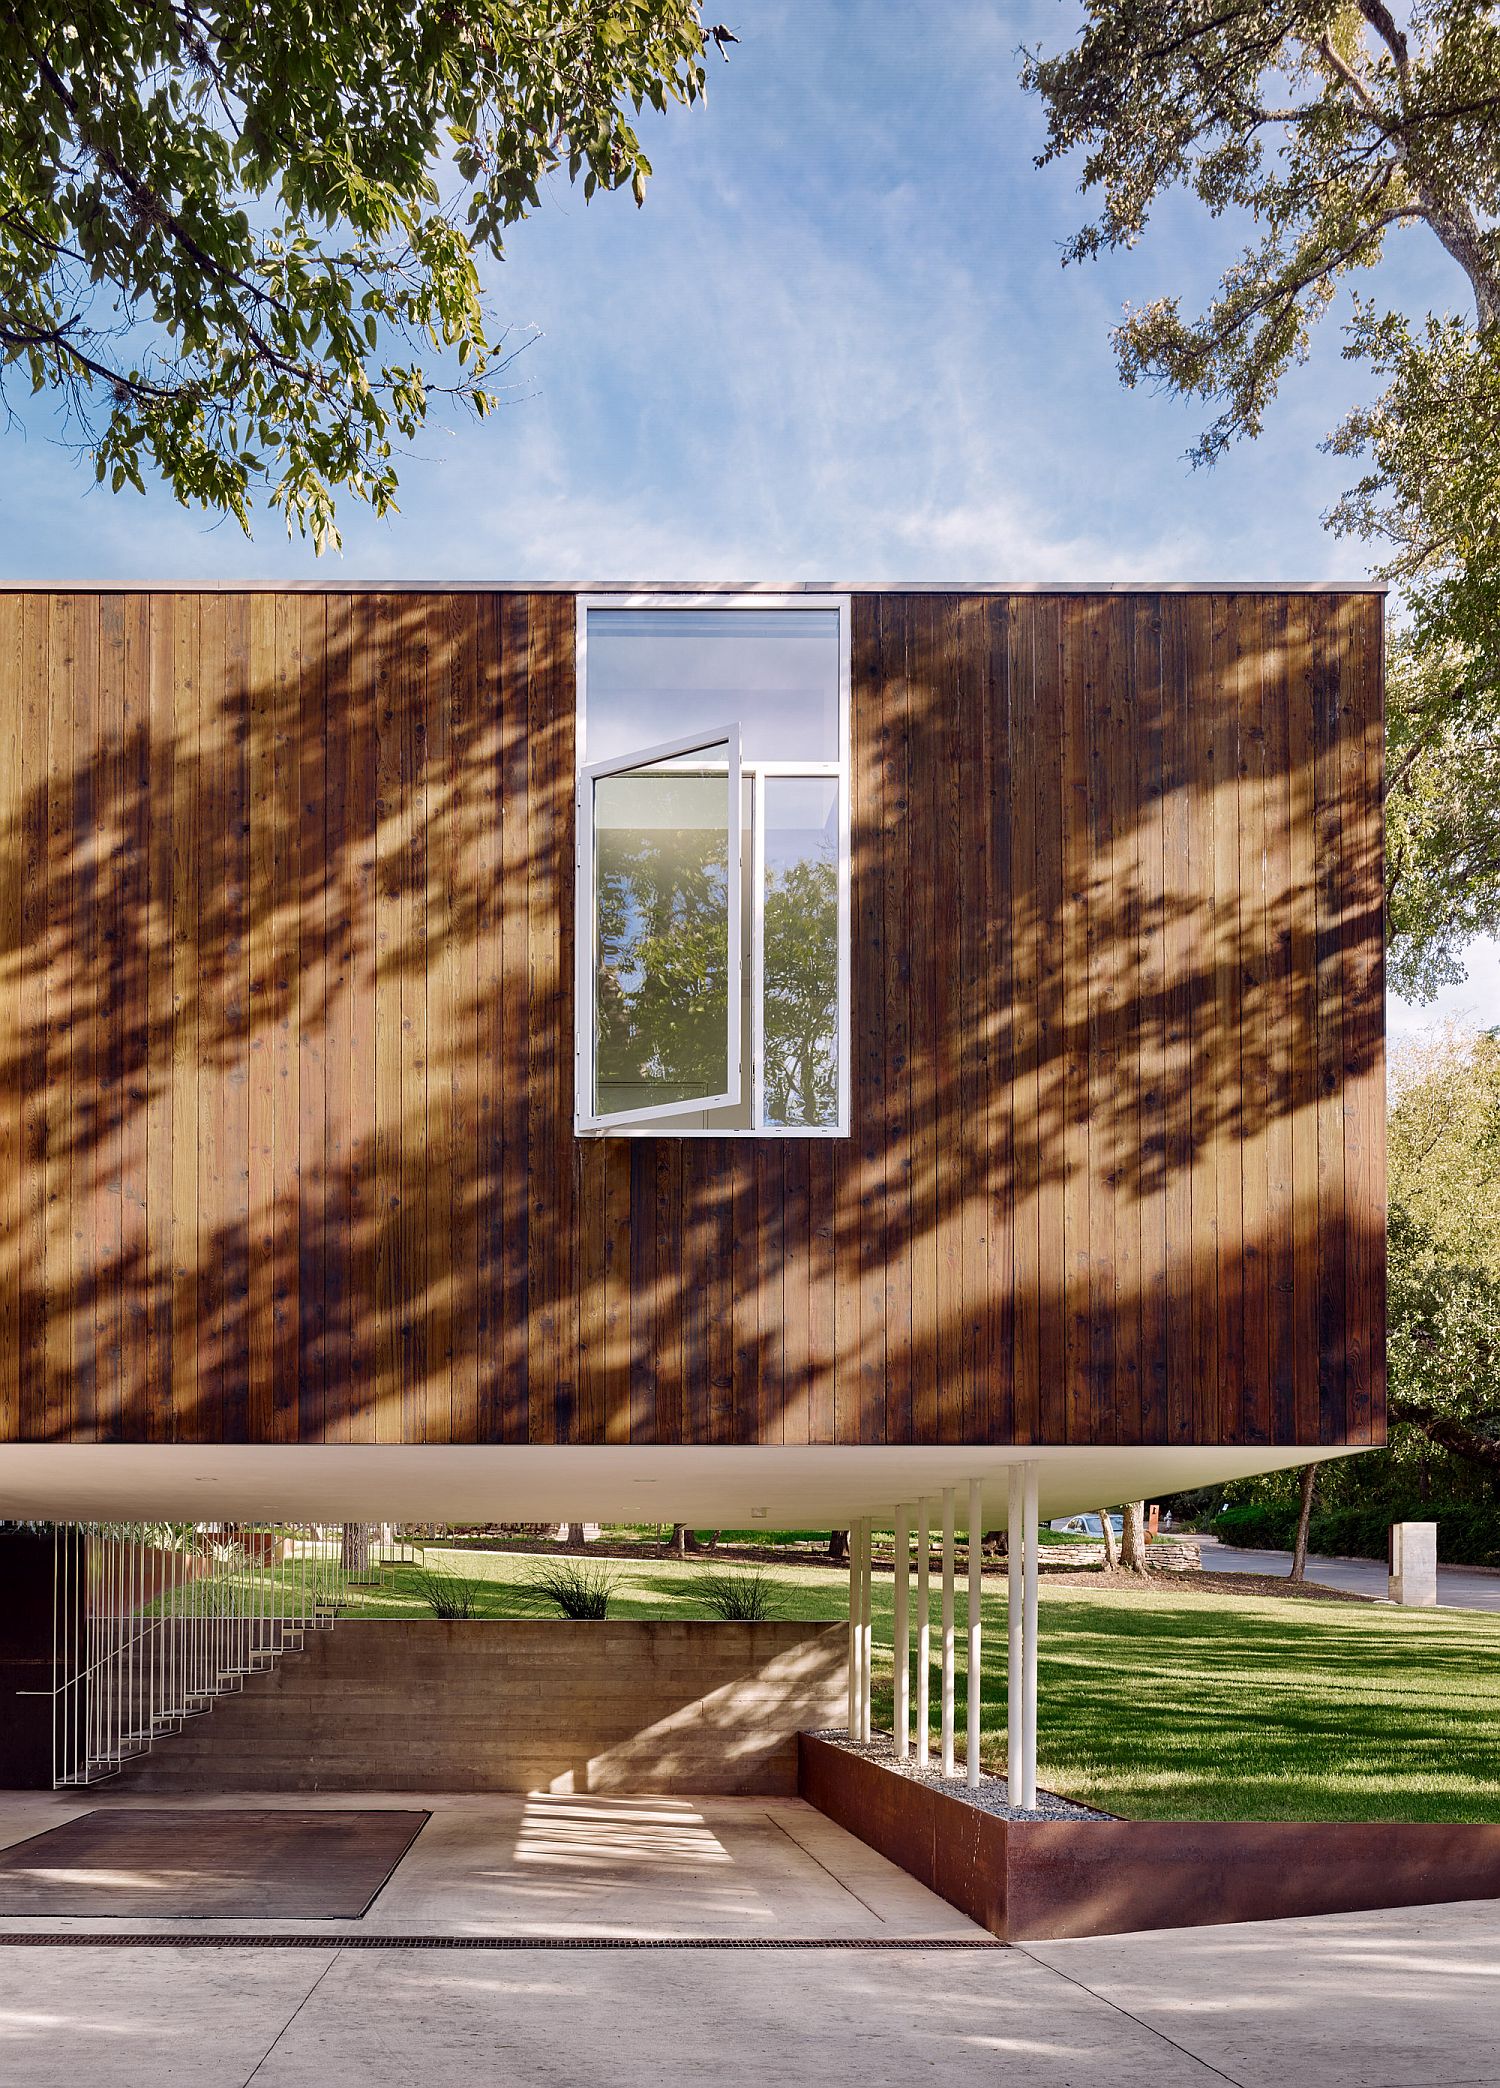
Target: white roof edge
x=811, y=587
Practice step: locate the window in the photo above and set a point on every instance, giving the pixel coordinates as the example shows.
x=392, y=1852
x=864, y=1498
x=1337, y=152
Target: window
x=713, y=865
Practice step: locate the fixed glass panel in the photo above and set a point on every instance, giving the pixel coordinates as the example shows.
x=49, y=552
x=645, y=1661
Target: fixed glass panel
x=655, y=674
x=800, y=951
x=666, y=986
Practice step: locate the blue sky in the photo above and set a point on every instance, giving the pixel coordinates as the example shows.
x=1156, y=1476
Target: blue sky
x=836, y=344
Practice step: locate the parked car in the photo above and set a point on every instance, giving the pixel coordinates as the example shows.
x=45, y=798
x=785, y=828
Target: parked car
x=1087, y=1526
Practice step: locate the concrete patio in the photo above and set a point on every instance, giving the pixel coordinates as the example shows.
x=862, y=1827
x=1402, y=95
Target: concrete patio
x=1369, y=2001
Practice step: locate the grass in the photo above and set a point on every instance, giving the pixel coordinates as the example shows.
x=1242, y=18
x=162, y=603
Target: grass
x=1167, y=1703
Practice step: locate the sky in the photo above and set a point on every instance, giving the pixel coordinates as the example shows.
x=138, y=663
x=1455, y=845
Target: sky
x=837, y=343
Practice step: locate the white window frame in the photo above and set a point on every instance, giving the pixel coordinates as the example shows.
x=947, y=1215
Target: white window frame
x=709, y=740
x=587, y=1124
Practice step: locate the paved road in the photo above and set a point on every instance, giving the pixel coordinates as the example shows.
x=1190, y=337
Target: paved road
x=1459, y=1587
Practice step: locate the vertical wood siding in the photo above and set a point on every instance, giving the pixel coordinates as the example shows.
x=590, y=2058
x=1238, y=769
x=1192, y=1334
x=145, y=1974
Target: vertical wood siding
x=287, y=940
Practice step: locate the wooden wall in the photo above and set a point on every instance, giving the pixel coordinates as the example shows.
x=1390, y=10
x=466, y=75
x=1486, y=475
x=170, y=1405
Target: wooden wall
x=285, y=979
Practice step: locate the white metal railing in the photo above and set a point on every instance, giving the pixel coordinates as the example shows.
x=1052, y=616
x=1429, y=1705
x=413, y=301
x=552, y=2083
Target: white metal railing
x=152, y=1621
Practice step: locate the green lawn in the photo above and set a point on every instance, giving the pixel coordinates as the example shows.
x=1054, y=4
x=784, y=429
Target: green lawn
x=1172, y=1704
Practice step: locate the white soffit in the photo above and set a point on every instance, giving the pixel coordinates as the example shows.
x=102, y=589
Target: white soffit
x=726, y=1487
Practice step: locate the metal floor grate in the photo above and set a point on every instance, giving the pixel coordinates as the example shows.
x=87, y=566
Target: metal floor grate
x=53, y=1939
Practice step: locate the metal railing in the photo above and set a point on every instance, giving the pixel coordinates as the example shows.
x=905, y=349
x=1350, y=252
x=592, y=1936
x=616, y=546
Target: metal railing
x=152, y=1621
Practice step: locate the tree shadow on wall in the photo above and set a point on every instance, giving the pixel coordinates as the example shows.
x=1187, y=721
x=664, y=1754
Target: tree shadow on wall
x=287, y=947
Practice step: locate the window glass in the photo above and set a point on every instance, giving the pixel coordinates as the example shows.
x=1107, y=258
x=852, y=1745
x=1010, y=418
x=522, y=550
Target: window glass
x=662, y=885
x=656, y=674
x=800, y=896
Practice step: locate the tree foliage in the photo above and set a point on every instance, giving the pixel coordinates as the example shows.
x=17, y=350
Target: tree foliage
x=1324, y=126
x=240, y=242
x=1443, y=1258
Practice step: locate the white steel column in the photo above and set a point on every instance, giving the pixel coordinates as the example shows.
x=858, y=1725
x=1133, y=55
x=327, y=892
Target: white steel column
x=866, y=1635
x=854, y=1615
x=972, y=1666
x=901, y=1633
x=1015, y=1722
x=1028, y=1734
x=924, y=1631
x=948, y=1494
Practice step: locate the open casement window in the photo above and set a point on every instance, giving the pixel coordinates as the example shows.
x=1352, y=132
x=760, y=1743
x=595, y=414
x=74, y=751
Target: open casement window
x=713, y=868
x=661, y=845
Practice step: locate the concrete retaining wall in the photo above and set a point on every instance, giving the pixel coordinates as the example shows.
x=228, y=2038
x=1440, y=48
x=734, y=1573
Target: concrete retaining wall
x=432, y=1705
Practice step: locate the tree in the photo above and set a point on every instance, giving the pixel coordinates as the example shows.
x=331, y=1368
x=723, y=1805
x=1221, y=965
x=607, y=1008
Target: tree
x=1298, y=1570
x=354, y=1547
x=838, y=1546
x=241, y=244
x=1111, y=1544
x=1328, y=125
x=801, y=993
x=1133, y=1537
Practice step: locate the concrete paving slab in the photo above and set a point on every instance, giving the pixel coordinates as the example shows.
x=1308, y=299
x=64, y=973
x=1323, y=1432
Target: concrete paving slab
x=146, y=2019
x=739, y=2020
x=1344, y=2000
x=558, y=1866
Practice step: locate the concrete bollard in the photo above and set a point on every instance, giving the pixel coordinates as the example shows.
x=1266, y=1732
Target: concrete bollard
x=1413, y=1564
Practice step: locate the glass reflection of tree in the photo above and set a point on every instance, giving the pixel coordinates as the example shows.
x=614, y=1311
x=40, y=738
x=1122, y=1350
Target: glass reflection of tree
x=801, y=994
x=663, y=967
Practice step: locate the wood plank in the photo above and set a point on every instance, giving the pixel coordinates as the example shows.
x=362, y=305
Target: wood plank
x=1279, y=1419
x=1178, y=946
x=14, y=1011
x=260, y=1054
x=210, y=790
x=1146, y=1013
x=1330, y=673
x=1113, y=1119
x=910, y=1405
x=1075, y=1024
x=336, y=1155
x=414, y=1215
x=159, y=958
x=105, y=844
x=390, y=924
x=1362, y=738
x=996, y=1418
x=77, y=1032
x=365, y=1216
x=1301, y=907
x=940, y=890
x=231, y=1085
x=1255, y=1016
x=1027, y=944
x=503, y=989
x=870, y=729
x=32, y=1378
x=1225, y=1071
x=315, y=969
x=1049, y=906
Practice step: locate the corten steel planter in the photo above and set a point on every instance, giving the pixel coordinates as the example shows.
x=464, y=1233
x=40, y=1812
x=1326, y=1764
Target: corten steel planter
x=1040, y=1879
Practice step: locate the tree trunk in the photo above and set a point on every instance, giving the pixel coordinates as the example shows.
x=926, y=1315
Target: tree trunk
x=1133, y=1537
x=695, y=1543
x=354, y=1551
x=575, y=1536
x=838, y=1546
x=1304, y=1517
x=679, y=1539
x=1111, y=1549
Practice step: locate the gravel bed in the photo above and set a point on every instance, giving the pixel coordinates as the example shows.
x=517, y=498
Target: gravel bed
x=992, y=1796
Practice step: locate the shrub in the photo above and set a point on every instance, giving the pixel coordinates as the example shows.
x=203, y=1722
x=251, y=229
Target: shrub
x=738, y=1598
x=573, y=1587
x=1468, y=1531
x=449, y=1594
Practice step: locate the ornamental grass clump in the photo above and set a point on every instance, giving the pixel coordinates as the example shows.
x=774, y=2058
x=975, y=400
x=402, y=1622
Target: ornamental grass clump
x=575, y=1588
x=747, y=1597
x=449, y=1594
